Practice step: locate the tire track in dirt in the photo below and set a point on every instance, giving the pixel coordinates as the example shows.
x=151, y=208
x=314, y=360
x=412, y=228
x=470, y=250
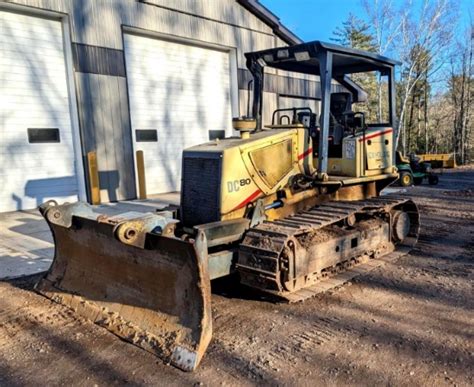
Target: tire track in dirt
x=408, y=323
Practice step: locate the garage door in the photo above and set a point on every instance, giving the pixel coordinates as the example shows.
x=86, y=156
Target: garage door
x=36, y=145
x=179, y=97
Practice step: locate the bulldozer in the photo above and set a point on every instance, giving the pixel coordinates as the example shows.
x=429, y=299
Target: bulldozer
x=291, y=207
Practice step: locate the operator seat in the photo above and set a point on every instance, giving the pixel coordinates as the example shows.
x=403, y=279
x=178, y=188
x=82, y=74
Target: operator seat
x=341, y=104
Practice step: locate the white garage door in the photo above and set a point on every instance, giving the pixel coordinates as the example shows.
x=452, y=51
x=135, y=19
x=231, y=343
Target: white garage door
x=178, y=93
x=36, y=145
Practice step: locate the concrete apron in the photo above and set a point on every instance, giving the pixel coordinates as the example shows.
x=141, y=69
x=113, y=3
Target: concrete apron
x=26, y=243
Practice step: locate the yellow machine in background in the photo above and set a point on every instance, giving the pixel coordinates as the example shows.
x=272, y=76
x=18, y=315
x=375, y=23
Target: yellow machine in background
x=440, y=160
x=283, y=206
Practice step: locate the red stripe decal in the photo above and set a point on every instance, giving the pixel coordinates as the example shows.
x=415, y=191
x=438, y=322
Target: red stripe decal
x=306, y=153
x=248, y=200
x=376, y=134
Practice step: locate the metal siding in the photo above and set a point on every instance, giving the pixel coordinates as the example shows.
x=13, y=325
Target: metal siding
x=112, y=148
x=285, y=102
x=106, y=129
x=127, y=167
x=86, y=119
x=282, y=84
x=86, y=122
x=270, y=105
x=110, y=133
x=99, y=23
x=226, y=11
x=98, y=60
x=98, y=125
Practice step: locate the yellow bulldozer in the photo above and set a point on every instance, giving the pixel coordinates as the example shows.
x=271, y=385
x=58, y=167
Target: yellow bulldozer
x=286, y=206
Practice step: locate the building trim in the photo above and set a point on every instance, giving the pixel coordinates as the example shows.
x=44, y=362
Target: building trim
x=126, y=29
x=98, y=60
x=74, y=110
x=30, y=10
x=254, y=7
x=206, y=17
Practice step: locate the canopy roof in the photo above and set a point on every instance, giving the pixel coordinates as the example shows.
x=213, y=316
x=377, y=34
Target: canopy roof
x=304, y=58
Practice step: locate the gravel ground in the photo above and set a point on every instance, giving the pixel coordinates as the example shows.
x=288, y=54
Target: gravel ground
x=406, y=323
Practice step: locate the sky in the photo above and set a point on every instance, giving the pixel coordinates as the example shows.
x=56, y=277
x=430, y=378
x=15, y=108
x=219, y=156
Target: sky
x=317, y=19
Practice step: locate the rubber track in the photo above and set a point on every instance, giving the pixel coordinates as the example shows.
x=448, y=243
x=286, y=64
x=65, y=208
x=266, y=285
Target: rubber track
x=277, y=233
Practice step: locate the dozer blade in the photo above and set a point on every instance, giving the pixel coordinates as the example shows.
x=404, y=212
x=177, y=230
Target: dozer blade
x=130, y=275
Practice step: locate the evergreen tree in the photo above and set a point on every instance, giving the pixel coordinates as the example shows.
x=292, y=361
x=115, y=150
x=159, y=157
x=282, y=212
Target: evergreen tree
x=355, y=33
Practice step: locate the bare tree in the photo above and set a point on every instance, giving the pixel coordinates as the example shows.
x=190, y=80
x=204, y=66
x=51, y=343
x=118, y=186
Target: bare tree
x=386, y=25
x=429, y=28
x=461, y=91
x=419, y=36
x=440, y=111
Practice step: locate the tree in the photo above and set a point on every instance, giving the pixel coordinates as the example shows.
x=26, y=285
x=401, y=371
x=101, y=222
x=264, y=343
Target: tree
x=435, y=90
x=355, y=33
x=429, y=28
x=461, y=92
x=440, y=111
x=386, y=27
x=416, y=141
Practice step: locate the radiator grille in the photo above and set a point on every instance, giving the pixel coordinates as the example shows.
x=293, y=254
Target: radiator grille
x=200, y=194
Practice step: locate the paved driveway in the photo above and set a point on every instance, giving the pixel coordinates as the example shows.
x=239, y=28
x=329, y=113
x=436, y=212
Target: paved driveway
x=26, y=244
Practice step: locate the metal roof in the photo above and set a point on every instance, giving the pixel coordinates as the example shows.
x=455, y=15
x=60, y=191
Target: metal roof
x=304, y=58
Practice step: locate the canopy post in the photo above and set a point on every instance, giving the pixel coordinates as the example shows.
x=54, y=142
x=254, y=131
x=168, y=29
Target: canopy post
x=325, y=65
x=257, y=72
x=392, y=111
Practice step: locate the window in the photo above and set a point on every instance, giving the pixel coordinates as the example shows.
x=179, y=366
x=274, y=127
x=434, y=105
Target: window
x=146, y=135
x=216, y=134
x=43, y=135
